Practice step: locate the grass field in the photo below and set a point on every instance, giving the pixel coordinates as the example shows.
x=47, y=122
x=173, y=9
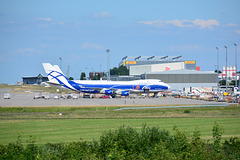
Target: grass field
x=77, y=123
x=65, y=130
x=33, y=88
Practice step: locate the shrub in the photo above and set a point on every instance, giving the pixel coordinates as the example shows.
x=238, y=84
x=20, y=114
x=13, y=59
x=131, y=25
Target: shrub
x=231, y=148
x=186, y=111
x=217, y=135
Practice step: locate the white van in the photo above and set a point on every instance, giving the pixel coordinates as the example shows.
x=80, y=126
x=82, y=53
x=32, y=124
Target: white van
x=7, y=95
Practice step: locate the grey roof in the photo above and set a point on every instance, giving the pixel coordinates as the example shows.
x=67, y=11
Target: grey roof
x=184, y=71
x=39, y=75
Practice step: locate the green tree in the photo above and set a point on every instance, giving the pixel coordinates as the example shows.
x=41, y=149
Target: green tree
x=233, y=82
x=222, y=82
x=71, y=78
x=114, y=71
x=97, y=77
x=121, y=70
x=217, y=71
x=83, y=75
x=217, y=135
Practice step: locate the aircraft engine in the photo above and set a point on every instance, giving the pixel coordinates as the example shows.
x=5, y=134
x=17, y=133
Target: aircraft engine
x=124, y=93
x=108, y=91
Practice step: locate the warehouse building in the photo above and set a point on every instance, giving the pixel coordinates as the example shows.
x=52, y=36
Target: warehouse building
x=123, y=78
x=129, y=61
x=144, y=60
x=142, y=69
x=179, y=79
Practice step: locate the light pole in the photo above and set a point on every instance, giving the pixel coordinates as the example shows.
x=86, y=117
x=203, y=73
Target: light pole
x=226, y=67
x=235, y=44
x=60, y=62
x=217, y=69
x=86, y=73
x=108, y=64
x=100, y=66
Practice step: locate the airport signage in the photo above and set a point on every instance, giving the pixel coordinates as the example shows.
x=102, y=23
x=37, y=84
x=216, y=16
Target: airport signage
x=128, y=62
x=167, y=68
x=189, y=62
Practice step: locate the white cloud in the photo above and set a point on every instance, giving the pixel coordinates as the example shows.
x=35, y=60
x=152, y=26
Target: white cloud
x=231, y=25
x=185, y=23
x=237, y=31
x=148, y=22
x=20, y=50
x=102, y=15
x=206, y=24
x=91, y=46
x=44, y=19
x=27, y=51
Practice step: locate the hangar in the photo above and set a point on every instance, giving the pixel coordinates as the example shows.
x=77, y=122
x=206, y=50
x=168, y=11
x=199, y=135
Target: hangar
x=179, y=79
x=34, y=80
x=173, y=70
x=142, y=69
x=132, y=61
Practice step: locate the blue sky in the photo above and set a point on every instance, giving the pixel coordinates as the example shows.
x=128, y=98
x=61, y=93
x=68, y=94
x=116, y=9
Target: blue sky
x=33, y=32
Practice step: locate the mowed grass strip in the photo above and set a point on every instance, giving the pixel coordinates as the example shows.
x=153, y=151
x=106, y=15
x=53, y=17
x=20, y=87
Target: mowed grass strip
x=66, y=130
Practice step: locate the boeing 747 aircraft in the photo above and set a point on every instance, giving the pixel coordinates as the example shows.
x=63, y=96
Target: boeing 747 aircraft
x=124, y=88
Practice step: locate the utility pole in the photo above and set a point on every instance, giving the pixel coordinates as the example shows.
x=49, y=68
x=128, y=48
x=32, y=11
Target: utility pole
x=217, y=69
x=68, y=71
x=108, y=64
x=60, y=63
x=226, y=67
x=235, y=44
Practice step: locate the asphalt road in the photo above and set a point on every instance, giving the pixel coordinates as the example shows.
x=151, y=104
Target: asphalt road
x=26, y=99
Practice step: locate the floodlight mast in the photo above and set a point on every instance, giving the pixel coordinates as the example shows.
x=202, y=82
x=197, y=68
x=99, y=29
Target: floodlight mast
x=226, y=67
x=235, y=44
x=217, y=69
x=60, y=63
x=108, y=64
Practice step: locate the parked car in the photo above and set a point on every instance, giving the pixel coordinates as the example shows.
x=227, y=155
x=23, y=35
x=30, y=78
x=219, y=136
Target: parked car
x=46, y=96
x=69, y=96
x=7, y=96
x=105, y=96
x=176, y=95
x=37, y=95
x=63, y=96
x=74, y=96
x=86, y=96
x=55, y=97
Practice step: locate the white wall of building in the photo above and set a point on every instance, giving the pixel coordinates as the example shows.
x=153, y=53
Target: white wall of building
x=180, y=86
x=167, y=66
x=142, y=69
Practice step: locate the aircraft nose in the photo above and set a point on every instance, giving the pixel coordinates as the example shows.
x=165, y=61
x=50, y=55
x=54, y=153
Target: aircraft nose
x=168, y=86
